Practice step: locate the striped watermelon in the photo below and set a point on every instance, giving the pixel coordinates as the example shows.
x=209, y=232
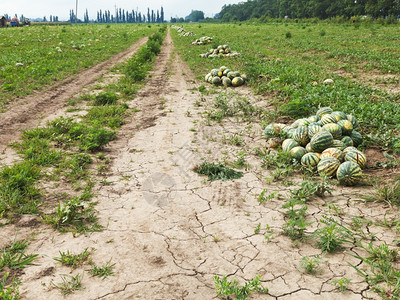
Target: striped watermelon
x=339, y=115
x=349, y=173
x=289, y=144
x=300, y=135
x=333, y=152
x=338, y=144
x=308, y=147
x=273, y=129
x=323, y=111
x=313, y=128
x=297, y=153
x=310, y=159
x=356, y=137
x=328, y=166
x=357, y=157
x=334, y=129
x=353, y=121
x=328, y=119
x=347, y=127
x=300, y=122
x=321, y=141
x=313, y=119
x=350, y=148
x=347, y=141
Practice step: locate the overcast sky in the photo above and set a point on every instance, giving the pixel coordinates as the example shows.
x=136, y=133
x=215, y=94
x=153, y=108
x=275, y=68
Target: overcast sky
x=172, y=8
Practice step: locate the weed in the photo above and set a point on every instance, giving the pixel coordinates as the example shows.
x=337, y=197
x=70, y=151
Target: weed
x=73, y=260
x=332, y=236
x=310, y=264
x=9, y=292
x=217, y=172
x=14, y=257
x=387, y=193
x=102, y=271
x=258, y=228
x=105, y=98
x=225, y=288
x=69, y=284
x=264, y=198
x=341, y=283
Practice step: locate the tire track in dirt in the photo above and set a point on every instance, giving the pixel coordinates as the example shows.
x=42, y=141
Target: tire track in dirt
x=24, y=113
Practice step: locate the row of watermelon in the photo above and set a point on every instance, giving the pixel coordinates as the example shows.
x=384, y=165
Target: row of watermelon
x=326, y=141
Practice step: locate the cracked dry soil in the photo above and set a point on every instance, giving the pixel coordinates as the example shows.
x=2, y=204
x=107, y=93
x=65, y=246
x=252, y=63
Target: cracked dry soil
x=168, y=231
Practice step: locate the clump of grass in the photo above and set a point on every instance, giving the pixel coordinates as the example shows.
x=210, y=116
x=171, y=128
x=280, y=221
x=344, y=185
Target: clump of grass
x=18, y=191
x=225, y=288
x=74, y=260
x=217, y=172
x=9, y=292
x=341, y=283
x=388, y=193
x=69, y=284
x=105, y=98
x=310, y=264
x=102, y=271
x=14, y=257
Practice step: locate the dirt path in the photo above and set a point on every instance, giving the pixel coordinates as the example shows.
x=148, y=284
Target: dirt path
x=168, y=231
x=24, y=113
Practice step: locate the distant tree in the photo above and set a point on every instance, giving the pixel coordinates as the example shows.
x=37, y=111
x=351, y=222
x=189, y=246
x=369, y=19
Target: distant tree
x=195, y=16
x=162, y=14
x=173, y=20
x=44, y=19
x=148, y=15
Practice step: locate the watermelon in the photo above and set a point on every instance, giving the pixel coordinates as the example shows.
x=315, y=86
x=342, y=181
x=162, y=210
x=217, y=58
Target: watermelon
x=333, y=129
x=338, y=145
x=347, y=127
x=300, y=135
x=321, y=141
x=333, y=152
x=328, y=166
x=289, y=144
x=339, y=115
x=350, y=148
x=356, y=156
x=323, y=111
x=308, y=147
x=313, y=119
x=226, y=81
x=328, y=119
x=353, y=121
x=237, y=81
x=310, y=160
x=313, y=128
x=214, y=72
x=347, y=141
x=273, y=129
x=356, y=137
x=226, y=71
x=349, y=173
x=297, y=153
x=216, y=80
x=231, y=75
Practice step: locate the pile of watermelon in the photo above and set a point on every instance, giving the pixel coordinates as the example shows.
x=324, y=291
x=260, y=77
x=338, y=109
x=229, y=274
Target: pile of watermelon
x=326, y=142
x=226, y=77
x=204, y=40
x=220, y=51
x=182, y=31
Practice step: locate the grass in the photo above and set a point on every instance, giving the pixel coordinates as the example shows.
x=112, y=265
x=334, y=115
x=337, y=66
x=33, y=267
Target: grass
x=225, y=288
x=217, y=172
x=74, y=260
x=341, y=283
x=311, y=264
x=69, y=284
x=14, y=257
x=102, y=271
x=9, y=291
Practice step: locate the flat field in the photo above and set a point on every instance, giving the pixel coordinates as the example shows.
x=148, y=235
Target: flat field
x=128, y=176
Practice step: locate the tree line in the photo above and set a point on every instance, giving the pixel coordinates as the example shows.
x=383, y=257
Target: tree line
x=121, y=16
x=322, y=9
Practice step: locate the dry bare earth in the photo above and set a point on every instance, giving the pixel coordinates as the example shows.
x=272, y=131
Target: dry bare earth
x=168, y=231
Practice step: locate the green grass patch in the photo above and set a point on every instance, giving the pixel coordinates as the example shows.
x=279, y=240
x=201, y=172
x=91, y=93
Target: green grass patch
x=217, y=172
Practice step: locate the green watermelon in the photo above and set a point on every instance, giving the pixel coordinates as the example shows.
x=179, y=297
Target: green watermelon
x=350, y=148
x=321, y=141
x=297, y=153
x=323, y=111
x=349, y=173
x=356, y=137
x=333, y=129
x=338, y=144
x=353, y=121
x=339, y=115
x=328, y=166
x=226, y=81
x=289, y=144
x=216, y=80
x=356, y=156
x=237, y=81
x=347, y=127
x=310, y=160
x=313, y=119
x=300, y=135
x=333, y=152
x=347, y=141
x=313, y=128
x=328, y=119
x=308, y=147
